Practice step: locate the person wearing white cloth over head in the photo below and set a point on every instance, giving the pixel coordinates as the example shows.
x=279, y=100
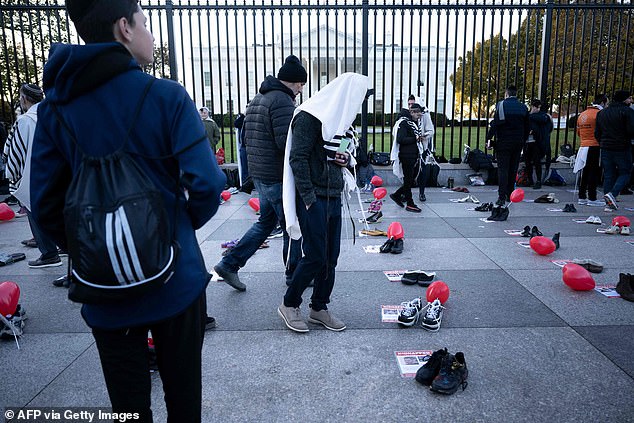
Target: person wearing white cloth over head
x=319, y=150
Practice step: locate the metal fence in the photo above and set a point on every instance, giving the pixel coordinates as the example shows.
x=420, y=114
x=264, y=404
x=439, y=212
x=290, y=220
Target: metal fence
x=456, y=58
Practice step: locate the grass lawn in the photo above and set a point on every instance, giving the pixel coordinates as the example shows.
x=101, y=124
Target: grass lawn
x=451, y=138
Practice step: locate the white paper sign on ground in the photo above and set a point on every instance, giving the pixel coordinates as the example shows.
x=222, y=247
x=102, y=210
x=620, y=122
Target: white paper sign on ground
x=560, y=263
x=524, y=244
x=513, y=232
x=410, y=361
x=601, y=230
x=389, y=313
x=484, y=219
x=372, y=249
x=394, y=275
x=555, y=210
x=630, y=242
x=607, y=290
x=579, y=220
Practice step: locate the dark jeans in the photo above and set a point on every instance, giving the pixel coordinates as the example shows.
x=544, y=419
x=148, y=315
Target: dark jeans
x=591, y=175
x=508, y=162
x=271, y=212
x=617, y=166
x=244, y=163
x=46, y=245
x=423, y=177
x=178, y=342
x=409, y=175
x=321, y=239
x=533, y=157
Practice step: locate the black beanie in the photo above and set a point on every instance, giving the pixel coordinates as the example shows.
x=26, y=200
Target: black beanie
x=77, y=9
x=292, y=70
x=621, y=95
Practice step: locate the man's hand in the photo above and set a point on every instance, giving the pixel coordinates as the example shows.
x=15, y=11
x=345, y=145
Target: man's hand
x=342, y=159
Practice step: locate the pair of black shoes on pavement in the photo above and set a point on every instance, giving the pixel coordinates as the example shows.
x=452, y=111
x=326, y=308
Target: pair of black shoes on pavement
x=417, y=277
x=625, y=287
x=484, y=207
x=394, y=246
x=374, y=217
x=410, y=207
x=444, y=372
x=499, y=214
x=529, y=233
x=569, y=208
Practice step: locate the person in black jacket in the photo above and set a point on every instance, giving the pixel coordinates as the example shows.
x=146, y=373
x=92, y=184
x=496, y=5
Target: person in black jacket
x=266, y=124
x=538, y=143
x=614, y=131
x=510, y=127
x=406, y=152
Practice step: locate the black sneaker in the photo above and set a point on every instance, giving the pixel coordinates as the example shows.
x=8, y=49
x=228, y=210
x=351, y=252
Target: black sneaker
x=422, y=198
x=412, y=208
x=432, y=316
x=31, y=243
x=397, y=200
x=526, y=233
x=231, y=278
x=495, y=212
x=452, y=375
x=501, y=215
x=411, y=309
x=625, y=287
x=375, y=217
x=429, y=370
x=41, y=263
x=62, y=281
x=387, y=247
x=210, y=323
x=276, y=233
x=11, y=201
x=397, y=248
x=484, y=207
x=418, y=277
x=536, y=232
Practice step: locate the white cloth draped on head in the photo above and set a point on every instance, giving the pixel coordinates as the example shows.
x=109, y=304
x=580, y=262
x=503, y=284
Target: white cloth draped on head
x=336, y=106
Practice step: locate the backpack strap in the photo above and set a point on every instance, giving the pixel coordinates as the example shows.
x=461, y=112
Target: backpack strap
x=127, y=135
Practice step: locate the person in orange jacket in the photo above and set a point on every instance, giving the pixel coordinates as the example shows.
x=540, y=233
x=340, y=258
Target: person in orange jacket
x=591, y=174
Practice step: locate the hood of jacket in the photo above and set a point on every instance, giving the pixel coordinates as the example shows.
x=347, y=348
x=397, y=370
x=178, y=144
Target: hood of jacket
x=74, y=70
x=271, y=83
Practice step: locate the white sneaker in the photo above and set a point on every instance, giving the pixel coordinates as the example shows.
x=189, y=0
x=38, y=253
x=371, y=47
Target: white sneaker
x=597, y=220
x=432, y=316
x=595, y=203
x=474, y=199
x=610, y=201
x=613, y=230
x=582, y=201
x=625, y=230
x=411, y=309
x=590, y=219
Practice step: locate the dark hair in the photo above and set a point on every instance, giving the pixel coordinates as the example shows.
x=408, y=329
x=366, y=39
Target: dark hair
x=536, y=102
x=416, y=107
x=621, y=95
x=94, y=19
x=511, y=90
x=33, y=93
x=600, y=98
x=411, y=97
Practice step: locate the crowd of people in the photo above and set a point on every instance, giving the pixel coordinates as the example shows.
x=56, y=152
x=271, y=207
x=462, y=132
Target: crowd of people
x=301, y=160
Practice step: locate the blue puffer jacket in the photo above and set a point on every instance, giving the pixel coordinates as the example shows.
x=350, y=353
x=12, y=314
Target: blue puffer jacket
x=266, y=125
x=513, y=130
x=97, y=88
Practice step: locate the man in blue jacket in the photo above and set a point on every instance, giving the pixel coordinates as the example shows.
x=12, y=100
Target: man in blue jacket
x=96, y=88
x=510, y=127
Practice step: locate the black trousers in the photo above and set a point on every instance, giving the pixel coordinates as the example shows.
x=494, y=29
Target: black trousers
x=533, y=157
x=409, y=177
x=591, y=174
x=178, y=343
x=508, y=162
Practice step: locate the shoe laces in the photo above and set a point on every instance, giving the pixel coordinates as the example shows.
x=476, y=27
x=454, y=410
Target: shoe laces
x=434, y=309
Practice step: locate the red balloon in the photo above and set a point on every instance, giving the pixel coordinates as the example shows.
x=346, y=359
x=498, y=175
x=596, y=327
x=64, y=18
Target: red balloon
x=542, y=245
x=255, y=204
x=577, y=278
x=395, y=230
x=379, y=193
x=439, y=290
x=620, y=221
x=517, y=195
x=6, y=213
x=226, y=195
x=9, y=296
x=376, y=181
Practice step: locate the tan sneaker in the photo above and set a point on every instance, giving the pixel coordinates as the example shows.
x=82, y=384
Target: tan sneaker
x=292, y=316
x=625, y=230
x=323, y=317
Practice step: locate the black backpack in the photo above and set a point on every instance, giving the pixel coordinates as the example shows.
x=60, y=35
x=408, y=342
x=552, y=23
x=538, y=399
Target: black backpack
x=117, y=228
x=479, y=160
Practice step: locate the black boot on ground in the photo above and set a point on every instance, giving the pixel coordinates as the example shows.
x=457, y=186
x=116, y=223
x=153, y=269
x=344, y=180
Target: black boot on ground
x=556, y=240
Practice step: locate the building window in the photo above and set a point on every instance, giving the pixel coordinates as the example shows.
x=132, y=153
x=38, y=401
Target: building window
x=229, y=105
x=228, y=82
x=207, y=76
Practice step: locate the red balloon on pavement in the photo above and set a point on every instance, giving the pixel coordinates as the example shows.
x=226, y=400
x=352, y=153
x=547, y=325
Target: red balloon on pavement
x=395, y=230
x=577, y=278
x=517, y=195
x=226, y=195
x=542, y=245
x=9, y=297
x=6, y=213
x=376, y=181
x=439, y=290
x=255, y=204
x=620, y=221
x=379, y=193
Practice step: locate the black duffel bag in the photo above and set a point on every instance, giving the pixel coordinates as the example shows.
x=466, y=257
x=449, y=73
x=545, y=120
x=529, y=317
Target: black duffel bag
x=380, y=159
